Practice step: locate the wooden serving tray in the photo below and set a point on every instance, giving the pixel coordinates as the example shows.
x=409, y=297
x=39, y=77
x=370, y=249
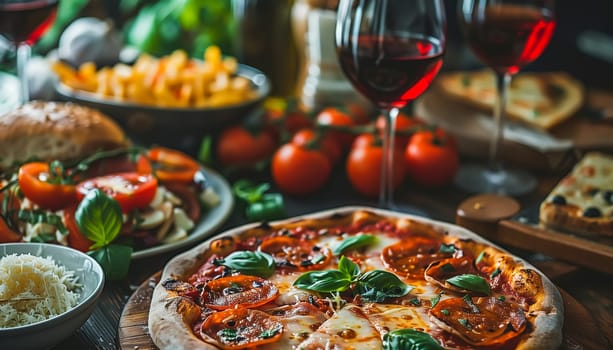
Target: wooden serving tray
x=580, y=330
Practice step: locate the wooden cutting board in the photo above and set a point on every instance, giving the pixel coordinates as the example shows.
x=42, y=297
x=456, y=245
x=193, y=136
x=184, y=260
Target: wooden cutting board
x=468, y=125
x=580, y=330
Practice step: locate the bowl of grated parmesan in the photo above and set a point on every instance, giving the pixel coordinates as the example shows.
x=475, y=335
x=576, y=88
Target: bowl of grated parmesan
x=47, y=292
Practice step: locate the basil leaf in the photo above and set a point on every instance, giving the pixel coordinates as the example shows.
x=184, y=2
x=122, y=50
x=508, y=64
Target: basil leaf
x=471, y=282
x=99, y=217
x=327, y=281
x=114, y=259
x=409, y=339
x=250, y=263
x=447, y=248
x=354, y=242
x=348, y=267
x=377, y=286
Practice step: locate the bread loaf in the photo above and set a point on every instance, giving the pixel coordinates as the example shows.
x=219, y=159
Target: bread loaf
x=55, y=131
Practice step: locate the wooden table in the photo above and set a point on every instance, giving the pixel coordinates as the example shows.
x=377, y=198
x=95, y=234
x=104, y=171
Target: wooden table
x=591, y=289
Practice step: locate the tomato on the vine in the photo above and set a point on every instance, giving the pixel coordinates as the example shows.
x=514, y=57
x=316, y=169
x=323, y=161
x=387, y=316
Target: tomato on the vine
x=364, y=165
x=432, y=158
x=39, y=185
x=335, y=117
x=404, y=124
x=298, y=170
x=240, y=147
x=130, y=190
x=323, y=141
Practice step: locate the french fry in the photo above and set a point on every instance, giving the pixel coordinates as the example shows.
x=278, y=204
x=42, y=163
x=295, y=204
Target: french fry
x=175, y=80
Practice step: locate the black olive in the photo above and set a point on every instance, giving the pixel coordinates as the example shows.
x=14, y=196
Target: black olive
x=558, y=199
x=608, y=196
x=592, y=212
x=257, y=284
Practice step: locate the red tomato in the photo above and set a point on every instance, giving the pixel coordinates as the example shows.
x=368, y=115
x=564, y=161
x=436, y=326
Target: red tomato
x=326, y=143
x=404, y=124
x=335, y=117
x=359, y=113
x=168, y=165
x=298, y=170
x=364, y=166
x=105, y=166
x=290, y=122
x=237, y=146
x=76, y=239
x=35, y=183
x=432, y=158
x=12, y=204
x=131, y=190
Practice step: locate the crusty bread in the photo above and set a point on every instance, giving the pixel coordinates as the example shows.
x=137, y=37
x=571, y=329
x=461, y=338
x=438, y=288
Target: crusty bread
x=55, y=131
x=540, y=100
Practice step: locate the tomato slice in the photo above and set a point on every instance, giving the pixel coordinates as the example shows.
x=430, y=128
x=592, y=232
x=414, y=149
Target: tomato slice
x=242, y=328
x=238, y=291
x=413, y=255
x=34, y=181
x=76, y=239
x=293, y=253
x=484, y=321
x=168, y=165
x=131, y=190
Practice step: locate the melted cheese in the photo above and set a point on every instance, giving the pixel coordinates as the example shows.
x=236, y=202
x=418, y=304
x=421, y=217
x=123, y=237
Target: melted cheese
x=587, y=183
x=33, y=289
x=347, y=329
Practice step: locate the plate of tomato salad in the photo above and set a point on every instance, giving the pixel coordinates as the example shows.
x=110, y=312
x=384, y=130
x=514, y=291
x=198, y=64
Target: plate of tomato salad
x=167, y=200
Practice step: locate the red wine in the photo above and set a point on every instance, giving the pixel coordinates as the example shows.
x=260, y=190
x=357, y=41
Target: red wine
x=389, y=70
x=26, y=21
x=507, y=37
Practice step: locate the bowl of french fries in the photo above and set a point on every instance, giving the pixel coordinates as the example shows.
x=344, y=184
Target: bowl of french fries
x=155, y=97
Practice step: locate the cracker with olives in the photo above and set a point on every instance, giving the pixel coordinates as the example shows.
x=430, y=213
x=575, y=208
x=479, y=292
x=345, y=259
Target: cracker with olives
x=582, y=202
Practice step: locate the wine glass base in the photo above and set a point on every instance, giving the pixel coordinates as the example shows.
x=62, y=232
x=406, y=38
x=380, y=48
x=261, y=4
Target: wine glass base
x=478, y=178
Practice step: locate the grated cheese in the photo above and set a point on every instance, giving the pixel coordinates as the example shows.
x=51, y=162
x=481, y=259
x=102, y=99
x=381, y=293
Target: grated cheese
x=33, y=289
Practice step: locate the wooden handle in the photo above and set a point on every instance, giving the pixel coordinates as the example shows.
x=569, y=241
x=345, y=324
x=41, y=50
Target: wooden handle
x=566, y=247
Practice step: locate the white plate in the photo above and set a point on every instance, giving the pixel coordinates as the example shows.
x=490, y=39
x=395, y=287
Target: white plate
x=207, y=225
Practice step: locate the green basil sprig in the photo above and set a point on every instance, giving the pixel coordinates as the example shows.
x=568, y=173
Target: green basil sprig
x=373, y=286
x=354, y=242
x=471, y=282
x=100, y=219
x=249, y=263
x=409, y=339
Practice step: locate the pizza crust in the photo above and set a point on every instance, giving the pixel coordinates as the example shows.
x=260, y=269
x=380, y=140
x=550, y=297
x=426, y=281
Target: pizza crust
x=530, y=101
x=170, y=330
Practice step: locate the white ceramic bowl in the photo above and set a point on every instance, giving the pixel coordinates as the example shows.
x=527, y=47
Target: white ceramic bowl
x=48, y=333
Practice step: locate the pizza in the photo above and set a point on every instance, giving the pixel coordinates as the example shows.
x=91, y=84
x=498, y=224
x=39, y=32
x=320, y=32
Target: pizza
x=353, y=278
x=582, y=201
x=540, y=100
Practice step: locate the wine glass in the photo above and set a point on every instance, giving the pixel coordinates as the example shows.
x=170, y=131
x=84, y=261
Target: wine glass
x=390, y=50
x=23, y=22
x=505, y=35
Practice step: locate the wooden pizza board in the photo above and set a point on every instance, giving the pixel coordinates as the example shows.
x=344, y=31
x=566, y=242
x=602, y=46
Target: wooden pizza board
x=580, y=330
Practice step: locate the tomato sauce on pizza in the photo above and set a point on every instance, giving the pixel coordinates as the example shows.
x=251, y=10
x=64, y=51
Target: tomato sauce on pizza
x=353, y=278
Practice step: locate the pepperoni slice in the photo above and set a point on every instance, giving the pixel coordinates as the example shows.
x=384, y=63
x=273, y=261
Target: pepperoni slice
x=242, y=328
x=439, y=271
x=484, y=321
x=238, y=291
x=412, y=255
x=296, y=254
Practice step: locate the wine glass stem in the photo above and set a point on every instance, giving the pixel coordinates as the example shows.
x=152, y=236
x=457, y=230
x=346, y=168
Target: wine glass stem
x=23, y=56
x=502, y=87
x=386, y=193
